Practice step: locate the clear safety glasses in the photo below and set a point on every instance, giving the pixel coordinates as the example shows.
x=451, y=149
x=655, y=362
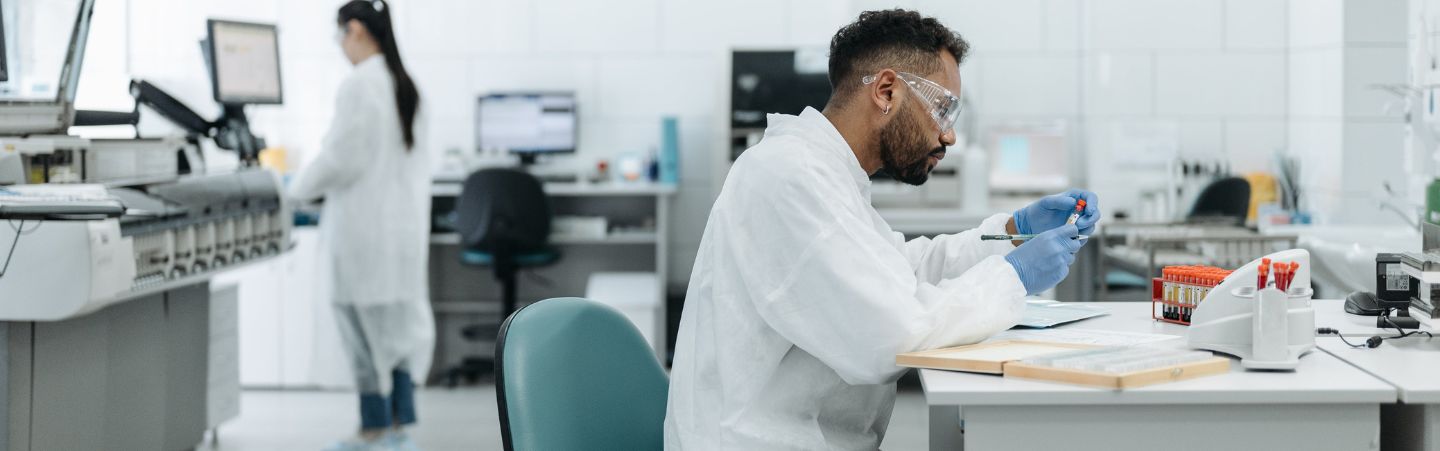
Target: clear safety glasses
x=944, y=106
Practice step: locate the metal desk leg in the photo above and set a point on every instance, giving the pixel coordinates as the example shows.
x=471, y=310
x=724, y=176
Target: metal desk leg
x=1102, y=270
x=1410, y=427
x=945, y=433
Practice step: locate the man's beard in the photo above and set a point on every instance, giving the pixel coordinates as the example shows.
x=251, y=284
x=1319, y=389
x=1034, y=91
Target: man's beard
x=903, y=150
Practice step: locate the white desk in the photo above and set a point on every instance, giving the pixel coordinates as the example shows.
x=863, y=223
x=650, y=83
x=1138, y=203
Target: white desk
x=454, y=289
x=1412, y=365
x=1324, y=404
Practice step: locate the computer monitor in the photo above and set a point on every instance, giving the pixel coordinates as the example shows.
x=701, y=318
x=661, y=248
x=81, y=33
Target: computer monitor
x=527, y=124
x=244, y=62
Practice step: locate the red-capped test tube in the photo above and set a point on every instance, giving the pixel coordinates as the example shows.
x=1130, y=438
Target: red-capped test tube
x=1079, y=208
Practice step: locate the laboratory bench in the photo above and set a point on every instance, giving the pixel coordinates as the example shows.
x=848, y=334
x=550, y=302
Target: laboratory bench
x=1327, y=403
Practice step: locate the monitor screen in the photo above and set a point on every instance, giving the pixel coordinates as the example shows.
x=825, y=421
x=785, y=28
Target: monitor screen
x=763, y=82
x=244, y=62
x=526, y=122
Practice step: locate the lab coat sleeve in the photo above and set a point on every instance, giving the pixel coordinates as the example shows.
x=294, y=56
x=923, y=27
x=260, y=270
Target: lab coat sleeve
x=949, y=256
x=837, y=288
x=348, y=147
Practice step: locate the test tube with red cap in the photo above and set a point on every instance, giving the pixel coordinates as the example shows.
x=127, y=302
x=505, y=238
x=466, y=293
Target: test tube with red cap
x=1079, y=208
x=1262, y=278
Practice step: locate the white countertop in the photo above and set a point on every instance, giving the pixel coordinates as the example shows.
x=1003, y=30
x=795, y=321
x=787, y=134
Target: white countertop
x=1411, y=364
x=1320, y=379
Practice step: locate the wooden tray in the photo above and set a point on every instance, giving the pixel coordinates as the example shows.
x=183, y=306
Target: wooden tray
x=1003, y=357
x=1120, y=381
x=989, y=358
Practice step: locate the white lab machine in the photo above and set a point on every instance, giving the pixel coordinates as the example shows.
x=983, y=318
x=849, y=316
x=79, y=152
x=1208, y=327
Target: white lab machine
x=1268, y=329
x=107, y=248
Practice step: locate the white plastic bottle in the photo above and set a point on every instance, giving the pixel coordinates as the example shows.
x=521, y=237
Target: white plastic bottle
x=974, y=180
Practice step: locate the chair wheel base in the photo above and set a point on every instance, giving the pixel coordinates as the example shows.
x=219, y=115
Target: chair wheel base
x=471, y=370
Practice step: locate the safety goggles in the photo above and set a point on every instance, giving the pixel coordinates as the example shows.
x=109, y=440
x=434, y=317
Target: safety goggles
x=943, y=105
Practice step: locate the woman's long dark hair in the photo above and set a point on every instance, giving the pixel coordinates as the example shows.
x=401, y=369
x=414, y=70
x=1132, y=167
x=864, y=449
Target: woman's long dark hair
x=375, y=16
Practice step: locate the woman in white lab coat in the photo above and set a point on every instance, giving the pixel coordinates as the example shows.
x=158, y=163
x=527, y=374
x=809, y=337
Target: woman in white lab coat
x=373, y=173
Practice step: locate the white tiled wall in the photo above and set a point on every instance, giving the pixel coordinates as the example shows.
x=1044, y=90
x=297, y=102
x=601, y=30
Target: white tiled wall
x=1348, y=135
x=1376, y=21
x=1120, y=83
x=1256, y=24
x=1424, y=36
x=1210, y=75
x=1315, y=75
x=1219, y=74
x=1155, y=24
x=1027, y=85
x=1366, y=67
x=1220, y=84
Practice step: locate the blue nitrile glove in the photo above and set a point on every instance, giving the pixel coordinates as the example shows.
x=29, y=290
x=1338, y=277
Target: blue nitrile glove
x=1045, y=260
x=1051, y=211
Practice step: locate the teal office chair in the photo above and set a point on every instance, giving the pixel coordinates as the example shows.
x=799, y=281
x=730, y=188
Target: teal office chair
x=575, y=374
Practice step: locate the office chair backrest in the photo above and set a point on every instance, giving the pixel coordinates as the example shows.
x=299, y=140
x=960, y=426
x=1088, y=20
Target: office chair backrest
x=1227, y=199
x=576, y=374
x=503, y=210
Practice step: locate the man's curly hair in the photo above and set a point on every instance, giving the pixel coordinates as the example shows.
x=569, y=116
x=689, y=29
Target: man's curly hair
x=896, y=39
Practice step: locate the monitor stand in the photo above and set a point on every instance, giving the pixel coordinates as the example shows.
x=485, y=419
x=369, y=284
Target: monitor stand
x=529, y=164
x=233, y=133
x=527, y=160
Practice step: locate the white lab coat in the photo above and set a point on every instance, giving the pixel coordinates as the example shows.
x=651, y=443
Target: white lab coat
x=375, y=222
x=802, y=295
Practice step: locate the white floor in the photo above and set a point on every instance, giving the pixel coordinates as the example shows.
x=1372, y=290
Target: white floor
x=461, y=419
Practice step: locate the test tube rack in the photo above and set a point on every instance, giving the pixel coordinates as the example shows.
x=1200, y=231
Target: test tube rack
x=1268, y=328
x=1179, y=289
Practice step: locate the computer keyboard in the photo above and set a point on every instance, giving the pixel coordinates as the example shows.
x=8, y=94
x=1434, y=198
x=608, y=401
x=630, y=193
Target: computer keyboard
x=57, y=201
x=557, y=178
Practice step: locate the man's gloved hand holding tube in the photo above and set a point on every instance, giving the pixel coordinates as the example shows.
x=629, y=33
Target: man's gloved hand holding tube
x=1043, y=261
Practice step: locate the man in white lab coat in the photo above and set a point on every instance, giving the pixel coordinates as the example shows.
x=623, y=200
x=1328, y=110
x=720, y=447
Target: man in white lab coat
x=802, y=295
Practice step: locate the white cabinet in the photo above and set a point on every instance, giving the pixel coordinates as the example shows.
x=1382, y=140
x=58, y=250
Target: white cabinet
x=288, y=337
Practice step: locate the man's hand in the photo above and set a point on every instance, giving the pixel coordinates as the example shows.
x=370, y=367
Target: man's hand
x=1045, y=260
x=1052, y=211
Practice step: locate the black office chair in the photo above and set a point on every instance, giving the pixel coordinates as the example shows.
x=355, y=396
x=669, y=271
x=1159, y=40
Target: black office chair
x=503, y=218
x=1224, y=201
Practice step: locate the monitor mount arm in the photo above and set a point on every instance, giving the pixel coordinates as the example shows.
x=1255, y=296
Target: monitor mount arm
x=230, y=132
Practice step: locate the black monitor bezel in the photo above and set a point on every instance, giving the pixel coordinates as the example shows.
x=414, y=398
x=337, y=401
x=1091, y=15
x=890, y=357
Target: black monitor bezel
x=215, y=75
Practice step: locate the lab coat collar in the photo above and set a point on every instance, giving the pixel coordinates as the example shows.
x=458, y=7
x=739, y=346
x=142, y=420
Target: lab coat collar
x=376, y=61
x=816, y=128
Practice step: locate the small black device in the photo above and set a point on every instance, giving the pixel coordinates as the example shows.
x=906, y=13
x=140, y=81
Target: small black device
x=1393, y=288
